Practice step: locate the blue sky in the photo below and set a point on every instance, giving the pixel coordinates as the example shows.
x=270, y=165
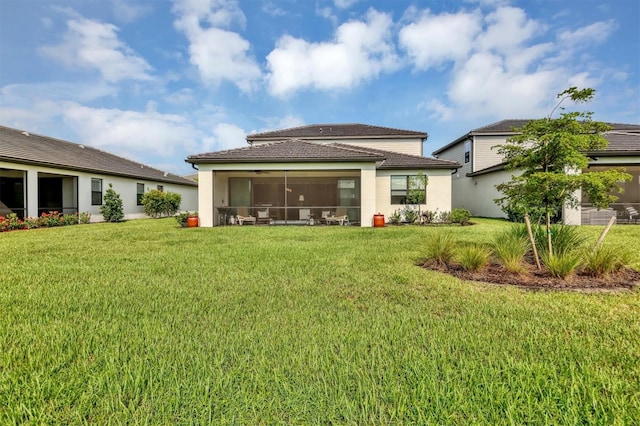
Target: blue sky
x=158, y=80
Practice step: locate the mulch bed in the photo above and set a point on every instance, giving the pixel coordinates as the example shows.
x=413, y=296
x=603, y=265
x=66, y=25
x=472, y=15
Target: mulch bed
x=532, y=279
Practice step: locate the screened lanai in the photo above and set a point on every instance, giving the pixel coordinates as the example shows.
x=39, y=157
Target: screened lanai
x=287, y=197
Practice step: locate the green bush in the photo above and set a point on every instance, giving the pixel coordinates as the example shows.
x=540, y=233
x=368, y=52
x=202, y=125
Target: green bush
x=561, y=265
x=510, y=247
x=395, y=217
x=181, y=218
x=112, y=208
x=429, y=216
x=604, y=260
x=473, y=257
x=460, y=216
x=444, y=217
x=410, y=215
x=158, y=203
x=440, y=248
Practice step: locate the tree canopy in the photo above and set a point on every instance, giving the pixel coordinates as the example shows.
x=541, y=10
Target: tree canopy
x=551, y=154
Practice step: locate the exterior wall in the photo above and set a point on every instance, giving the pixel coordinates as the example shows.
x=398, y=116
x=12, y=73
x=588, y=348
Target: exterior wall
x=126, y=187
x=438, y=190
x=477, y=193
x=412, y=146
x=456, y=153
x=483, y=152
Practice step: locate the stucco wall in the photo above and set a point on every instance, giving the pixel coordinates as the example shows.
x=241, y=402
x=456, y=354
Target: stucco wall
x=125, y=187
x=438, y=190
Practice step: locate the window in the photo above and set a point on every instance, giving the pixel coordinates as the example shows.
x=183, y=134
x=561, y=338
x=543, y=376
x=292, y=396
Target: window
x=139, y=193
x=405, y=189
x=96, y=192
x=467, y=151
x=160, y=188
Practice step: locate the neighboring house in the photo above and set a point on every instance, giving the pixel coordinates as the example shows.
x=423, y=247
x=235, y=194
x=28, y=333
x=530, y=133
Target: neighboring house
x=303, y=174
x=473, y=185
x=39, y=174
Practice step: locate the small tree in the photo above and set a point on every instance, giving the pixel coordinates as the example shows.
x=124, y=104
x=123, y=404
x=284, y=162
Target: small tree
x=417, y=191
x=157, y=203
x=551, y=152
x=112, y=208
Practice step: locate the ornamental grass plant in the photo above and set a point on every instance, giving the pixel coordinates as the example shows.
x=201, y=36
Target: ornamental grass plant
x=510, y=248
x=604, y=260
x=440, y=248
x=473, y=257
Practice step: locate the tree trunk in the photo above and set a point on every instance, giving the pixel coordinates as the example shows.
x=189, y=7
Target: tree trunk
x=549, y=234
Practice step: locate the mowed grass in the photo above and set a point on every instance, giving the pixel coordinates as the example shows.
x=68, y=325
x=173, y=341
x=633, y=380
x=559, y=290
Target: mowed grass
x=146, y=323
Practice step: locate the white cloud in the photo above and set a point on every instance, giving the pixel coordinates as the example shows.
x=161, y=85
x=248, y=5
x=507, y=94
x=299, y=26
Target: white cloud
x=434, y=39
x=344, y=4
x=271, y=9
x=225, y=136
x=127, y=11
x=95, y=45
x=594, y=33
x=439, y=111
x=217, y=53
x=130, y=133
x=359, y=51
x=483, y=86
x=508, y=28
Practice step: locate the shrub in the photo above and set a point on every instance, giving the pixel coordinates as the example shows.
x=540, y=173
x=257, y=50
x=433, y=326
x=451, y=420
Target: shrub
x=158, y=203
x=410, y=215
x=70, y=219
x=429, y=216
x=395, y=217
x=181, y=218
x=440, y=248
x=444, y=217
x=604, y=260
x=473, y=257
x=50, y=219
x=510, y=247
x=460, y=216
x=112, y=208
x=85, y=217
x=561, y=265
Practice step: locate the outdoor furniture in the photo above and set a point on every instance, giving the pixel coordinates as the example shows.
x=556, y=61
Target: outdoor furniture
x=243, y=217
x=633, y=214
x=341, y=219
x=263, y=217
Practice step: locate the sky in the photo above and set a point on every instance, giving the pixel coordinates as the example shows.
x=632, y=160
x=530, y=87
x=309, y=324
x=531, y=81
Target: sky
x=158, y=80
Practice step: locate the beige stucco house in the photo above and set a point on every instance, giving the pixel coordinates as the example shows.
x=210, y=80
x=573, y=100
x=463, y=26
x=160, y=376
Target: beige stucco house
x=482, y=168
x=39, y=174
x=305, y=174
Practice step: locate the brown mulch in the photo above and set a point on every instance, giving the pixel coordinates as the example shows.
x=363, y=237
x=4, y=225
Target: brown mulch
x=533, y=279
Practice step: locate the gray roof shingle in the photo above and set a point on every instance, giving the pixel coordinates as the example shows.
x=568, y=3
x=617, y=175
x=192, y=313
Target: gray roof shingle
x=22, y=147
x=295, y=150
x=505, y=127
x=330, y=131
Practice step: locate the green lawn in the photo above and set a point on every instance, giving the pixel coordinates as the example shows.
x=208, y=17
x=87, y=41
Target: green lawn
x=146, y=323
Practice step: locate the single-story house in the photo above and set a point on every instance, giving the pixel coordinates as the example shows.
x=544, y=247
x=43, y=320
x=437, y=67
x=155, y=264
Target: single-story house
x=473, y=184
x=39, y=174
x=305, y=174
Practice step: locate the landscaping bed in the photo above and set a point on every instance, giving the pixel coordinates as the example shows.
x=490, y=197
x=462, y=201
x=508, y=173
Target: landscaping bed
x=534, y=279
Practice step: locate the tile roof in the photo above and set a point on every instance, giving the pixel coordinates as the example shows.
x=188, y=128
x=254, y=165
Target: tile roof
x=22, y=147
x=295, y=150
x=329, y=131
x=505, y=127
x=286, y=151
x=396, y=160
x=621, y=142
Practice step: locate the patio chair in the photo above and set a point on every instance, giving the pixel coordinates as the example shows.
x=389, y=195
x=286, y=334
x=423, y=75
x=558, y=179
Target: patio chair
x=633, y=214
x=243, y=217
x=340, y=218
x=263, y=217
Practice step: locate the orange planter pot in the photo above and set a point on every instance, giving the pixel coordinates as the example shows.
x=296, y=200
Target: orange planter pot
x=378, y=220
x=192, y=222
